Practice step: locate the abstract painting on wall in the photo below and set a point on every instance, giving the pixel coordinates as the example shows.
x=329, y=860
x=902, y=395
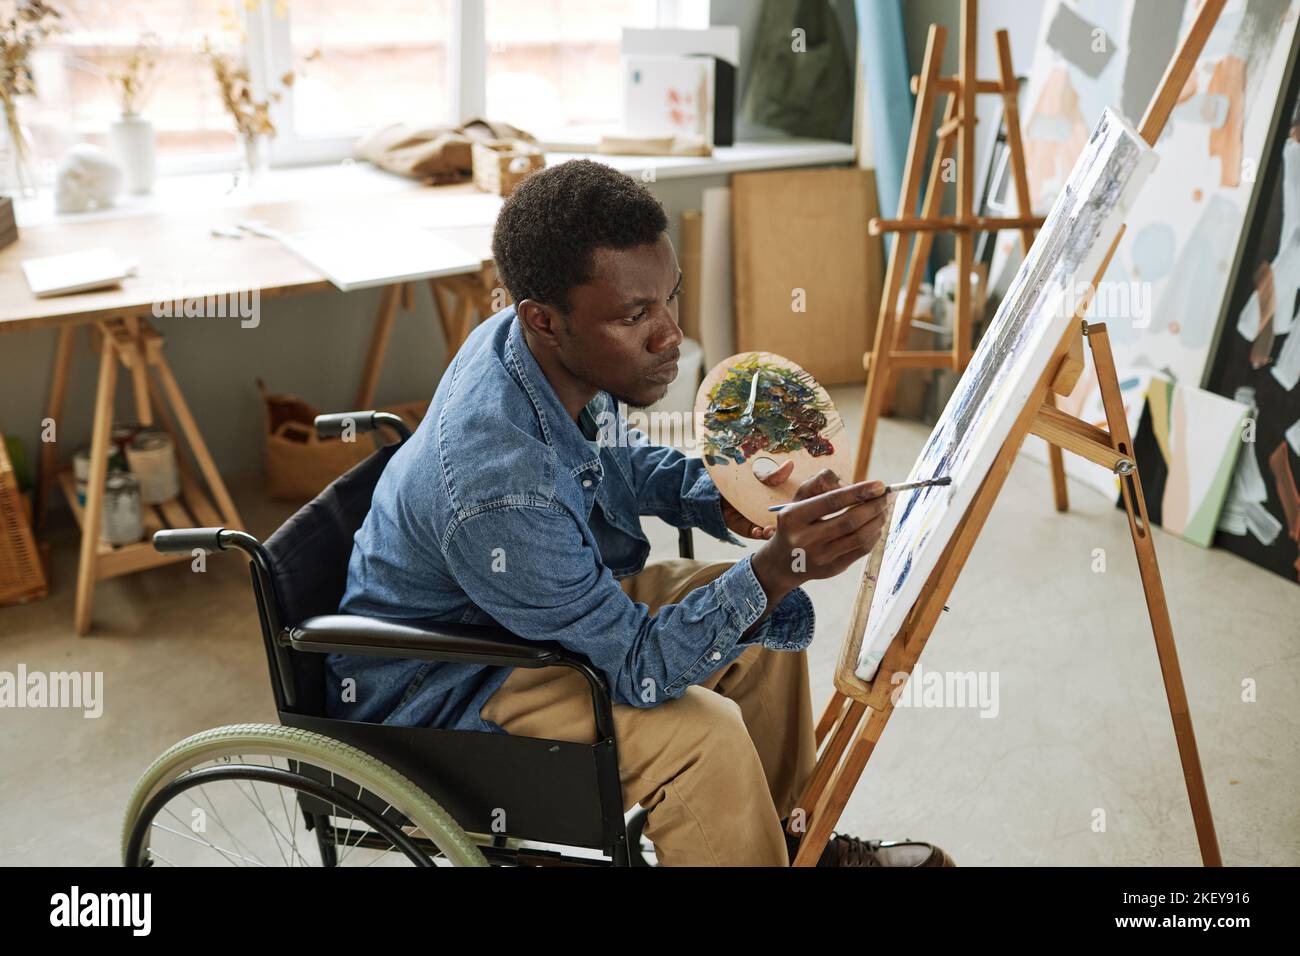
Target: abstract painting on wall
x=1257, y=362
x=1186, y=443
x=1012, y=358
x=1166, y=289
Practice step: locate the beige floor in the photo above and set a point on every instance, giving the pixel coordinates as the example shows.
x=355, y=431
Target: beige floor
x=1082, y=730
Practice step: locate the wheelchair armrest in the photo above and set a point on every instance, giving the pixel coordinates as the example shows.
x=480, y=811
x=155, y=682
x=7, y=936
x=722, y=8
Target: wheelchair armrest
x=425, y=640
x=459, y=643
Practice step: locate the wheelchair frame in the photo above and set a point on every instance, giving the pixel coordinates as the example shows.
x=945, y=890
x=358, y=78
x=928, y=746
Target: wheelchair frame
x=554, y=792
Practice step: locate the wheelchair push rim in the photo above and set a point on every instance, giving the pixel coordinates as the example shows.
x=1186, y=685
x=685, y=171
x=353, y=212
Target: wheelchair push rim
x=222, y=756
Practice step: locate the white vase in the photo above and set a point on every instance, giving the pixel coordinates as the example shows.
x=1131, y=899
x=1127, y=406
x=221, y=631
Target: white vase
x=132, y=141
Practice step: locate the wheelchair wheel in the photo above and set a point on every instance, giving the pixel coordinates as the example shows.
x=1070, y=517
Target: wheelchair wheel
x=268, y=795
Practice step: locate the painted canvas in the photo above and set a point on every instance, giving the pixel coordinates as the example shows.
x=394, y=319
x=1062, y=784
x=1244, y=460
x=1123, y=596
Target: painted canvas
x=1167, y=287
x=1013, y=355
x=1186, y=443
x=1257, y=362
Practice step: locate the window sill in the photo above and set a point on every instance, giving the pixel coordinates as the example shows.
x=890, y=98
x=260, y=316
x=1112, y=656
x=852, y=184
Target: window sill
x=741, y=158
x=207, y=191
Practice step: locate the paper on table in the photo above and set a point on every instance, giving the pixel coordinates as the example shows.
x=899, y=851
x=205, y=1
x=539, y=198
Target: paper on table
x=362, y=257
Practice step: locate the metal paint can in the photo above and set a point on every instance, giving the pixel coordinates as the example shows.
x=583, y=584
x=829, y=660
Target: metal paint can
x=81, y=468
x=123, y=521
x=152, y=458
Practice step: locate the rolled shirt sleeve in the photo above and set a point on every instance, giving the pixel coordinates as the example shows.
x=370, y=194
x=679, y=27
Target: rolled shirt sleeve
x=534, y=571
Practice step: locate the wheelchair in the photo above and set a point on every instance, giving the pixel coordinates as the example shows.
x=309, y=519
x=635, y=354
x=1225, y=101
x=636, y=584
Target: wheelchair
x=318, y=791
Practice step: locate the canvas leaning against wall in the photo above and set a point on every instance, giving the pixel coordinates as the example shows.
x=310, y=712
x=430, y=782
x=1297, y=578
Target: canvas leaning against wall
x=1258, y=363
x=1013, y=356
x=1186, y=445
x=1165, y=291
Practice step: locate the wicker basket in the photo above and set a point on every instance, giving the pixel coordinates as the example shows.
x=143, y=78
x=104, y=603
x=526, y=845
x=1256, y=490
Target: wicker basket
x=22, y=578
x=299, y=464
x=501, y=164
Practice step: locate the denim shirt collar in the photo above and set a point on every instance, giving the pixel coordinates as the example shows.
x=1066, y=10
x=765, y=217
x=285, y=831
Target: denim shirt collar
x=559, y=430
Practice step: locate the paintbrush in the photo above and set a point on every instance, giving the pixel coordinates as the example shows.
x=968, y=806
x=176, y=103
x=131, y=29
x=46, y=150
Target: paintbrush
x=904, y=486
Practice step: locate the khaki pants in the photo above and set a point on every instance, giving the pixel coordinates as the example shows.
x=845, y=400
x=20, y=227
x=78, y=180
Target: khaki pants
x=717, y=768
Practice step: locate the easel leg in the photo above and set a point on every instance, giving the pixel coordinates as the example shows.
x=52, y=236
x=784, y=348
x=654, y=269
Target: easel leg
x=388, y=303
x=1157, y=606
x=846, y=723
x=140, y=375
x=1056, y=462
x=921, y=244
x=834, y=707
x=962, y=333
x=834, y=798
x=1015, y=143
x=225, y=504
x=103, y=424
x=443, y=308
x=54, y=412
x=878, y=369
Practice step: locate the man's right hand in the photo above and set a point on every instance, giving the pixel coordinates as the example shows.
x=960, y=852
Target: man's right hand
x=808, y=545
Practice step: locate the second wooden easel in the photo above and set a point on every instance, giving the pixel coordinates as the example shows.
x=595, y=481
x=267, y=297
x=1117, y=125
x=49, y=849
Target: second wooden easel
x=915, y=236
x=859, y=710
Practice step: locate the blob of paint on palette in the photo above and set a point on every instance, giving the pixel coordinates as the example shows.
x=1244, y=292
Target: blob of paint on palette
x=756, y=411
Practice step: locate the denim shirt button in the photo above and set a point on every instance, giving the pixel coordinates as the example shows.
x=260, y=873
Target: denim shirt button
x=586, y=482
x=717, y=656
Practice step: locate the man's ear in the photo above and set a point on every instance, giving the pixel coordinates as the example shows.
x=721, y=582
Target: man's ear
x=539, y=320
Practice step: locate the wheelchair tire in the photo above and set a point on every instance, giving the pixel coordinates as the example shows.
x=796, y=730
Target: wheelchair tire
x=292, y=744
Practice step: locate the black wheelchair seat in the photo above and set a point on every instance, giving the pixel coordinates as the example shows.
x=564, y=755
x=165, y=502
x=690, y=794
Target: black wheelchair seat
x=554, y=792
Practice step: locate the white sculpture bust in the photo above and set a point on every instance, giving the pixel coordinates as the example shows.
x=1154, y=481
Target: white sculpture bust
x=88, y=178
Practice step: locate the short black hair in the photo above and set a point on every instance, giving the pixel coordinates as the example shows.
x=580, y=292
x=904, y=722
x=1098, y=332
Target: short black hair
x=557, y=218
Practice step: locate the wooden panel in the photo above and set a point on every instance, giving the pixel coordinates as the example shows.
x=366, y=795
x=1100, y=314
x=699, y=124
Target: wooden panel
x=807, y=230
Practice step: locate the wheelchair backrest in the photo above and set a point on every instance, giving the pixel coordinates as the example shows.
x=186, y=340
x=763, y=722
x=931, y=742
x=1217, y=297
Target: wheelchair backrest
x=309, y=564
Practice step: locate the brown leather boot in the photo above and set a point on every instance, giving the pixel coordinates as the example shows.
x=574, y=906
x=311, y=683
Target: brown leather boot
x=845, y=850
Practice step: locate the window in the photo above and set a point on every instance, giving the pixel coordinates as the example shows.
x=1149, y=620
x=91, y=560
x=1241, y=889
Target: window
x=76, y=101
x=357, y=66
x=553, y=65
x=549, y=66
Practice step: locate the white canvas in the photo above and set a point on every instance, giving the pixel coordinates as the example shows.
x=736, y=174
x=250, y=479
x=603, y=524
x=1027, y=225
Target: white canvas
x=1035, y=314
x=668, y=96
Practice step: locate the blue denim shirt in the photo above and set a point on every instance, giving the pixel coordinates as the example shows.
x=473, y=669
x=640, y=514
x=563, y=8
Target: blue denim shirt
x=498, y=510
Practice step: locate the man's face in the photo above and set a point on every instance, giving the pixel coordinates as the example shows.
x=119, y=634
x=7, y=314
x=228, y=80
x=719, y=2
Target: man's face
x=622, y=334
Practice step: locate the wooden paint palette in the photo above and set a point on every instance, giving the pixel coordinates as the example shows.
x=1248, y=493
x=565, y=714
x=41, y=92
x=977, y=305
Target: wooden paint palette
x=757, y=408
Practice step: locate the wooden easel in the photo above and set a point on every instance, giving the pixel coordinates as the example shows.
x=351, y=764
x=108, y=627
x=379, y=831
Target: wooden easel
x=130, y=341
x=845, y=739
x=889, y=354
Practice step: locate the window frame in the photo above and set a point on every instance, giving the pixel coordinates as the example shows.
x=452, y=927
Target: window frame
x=268, y=51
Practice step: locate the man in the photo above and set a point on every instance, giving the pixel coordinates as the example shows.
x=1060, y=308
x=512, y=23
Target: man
x=511, y=504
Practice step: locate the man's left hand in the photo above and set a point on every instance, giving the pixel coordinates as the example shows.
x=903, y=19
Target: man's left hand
x=741, y=525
